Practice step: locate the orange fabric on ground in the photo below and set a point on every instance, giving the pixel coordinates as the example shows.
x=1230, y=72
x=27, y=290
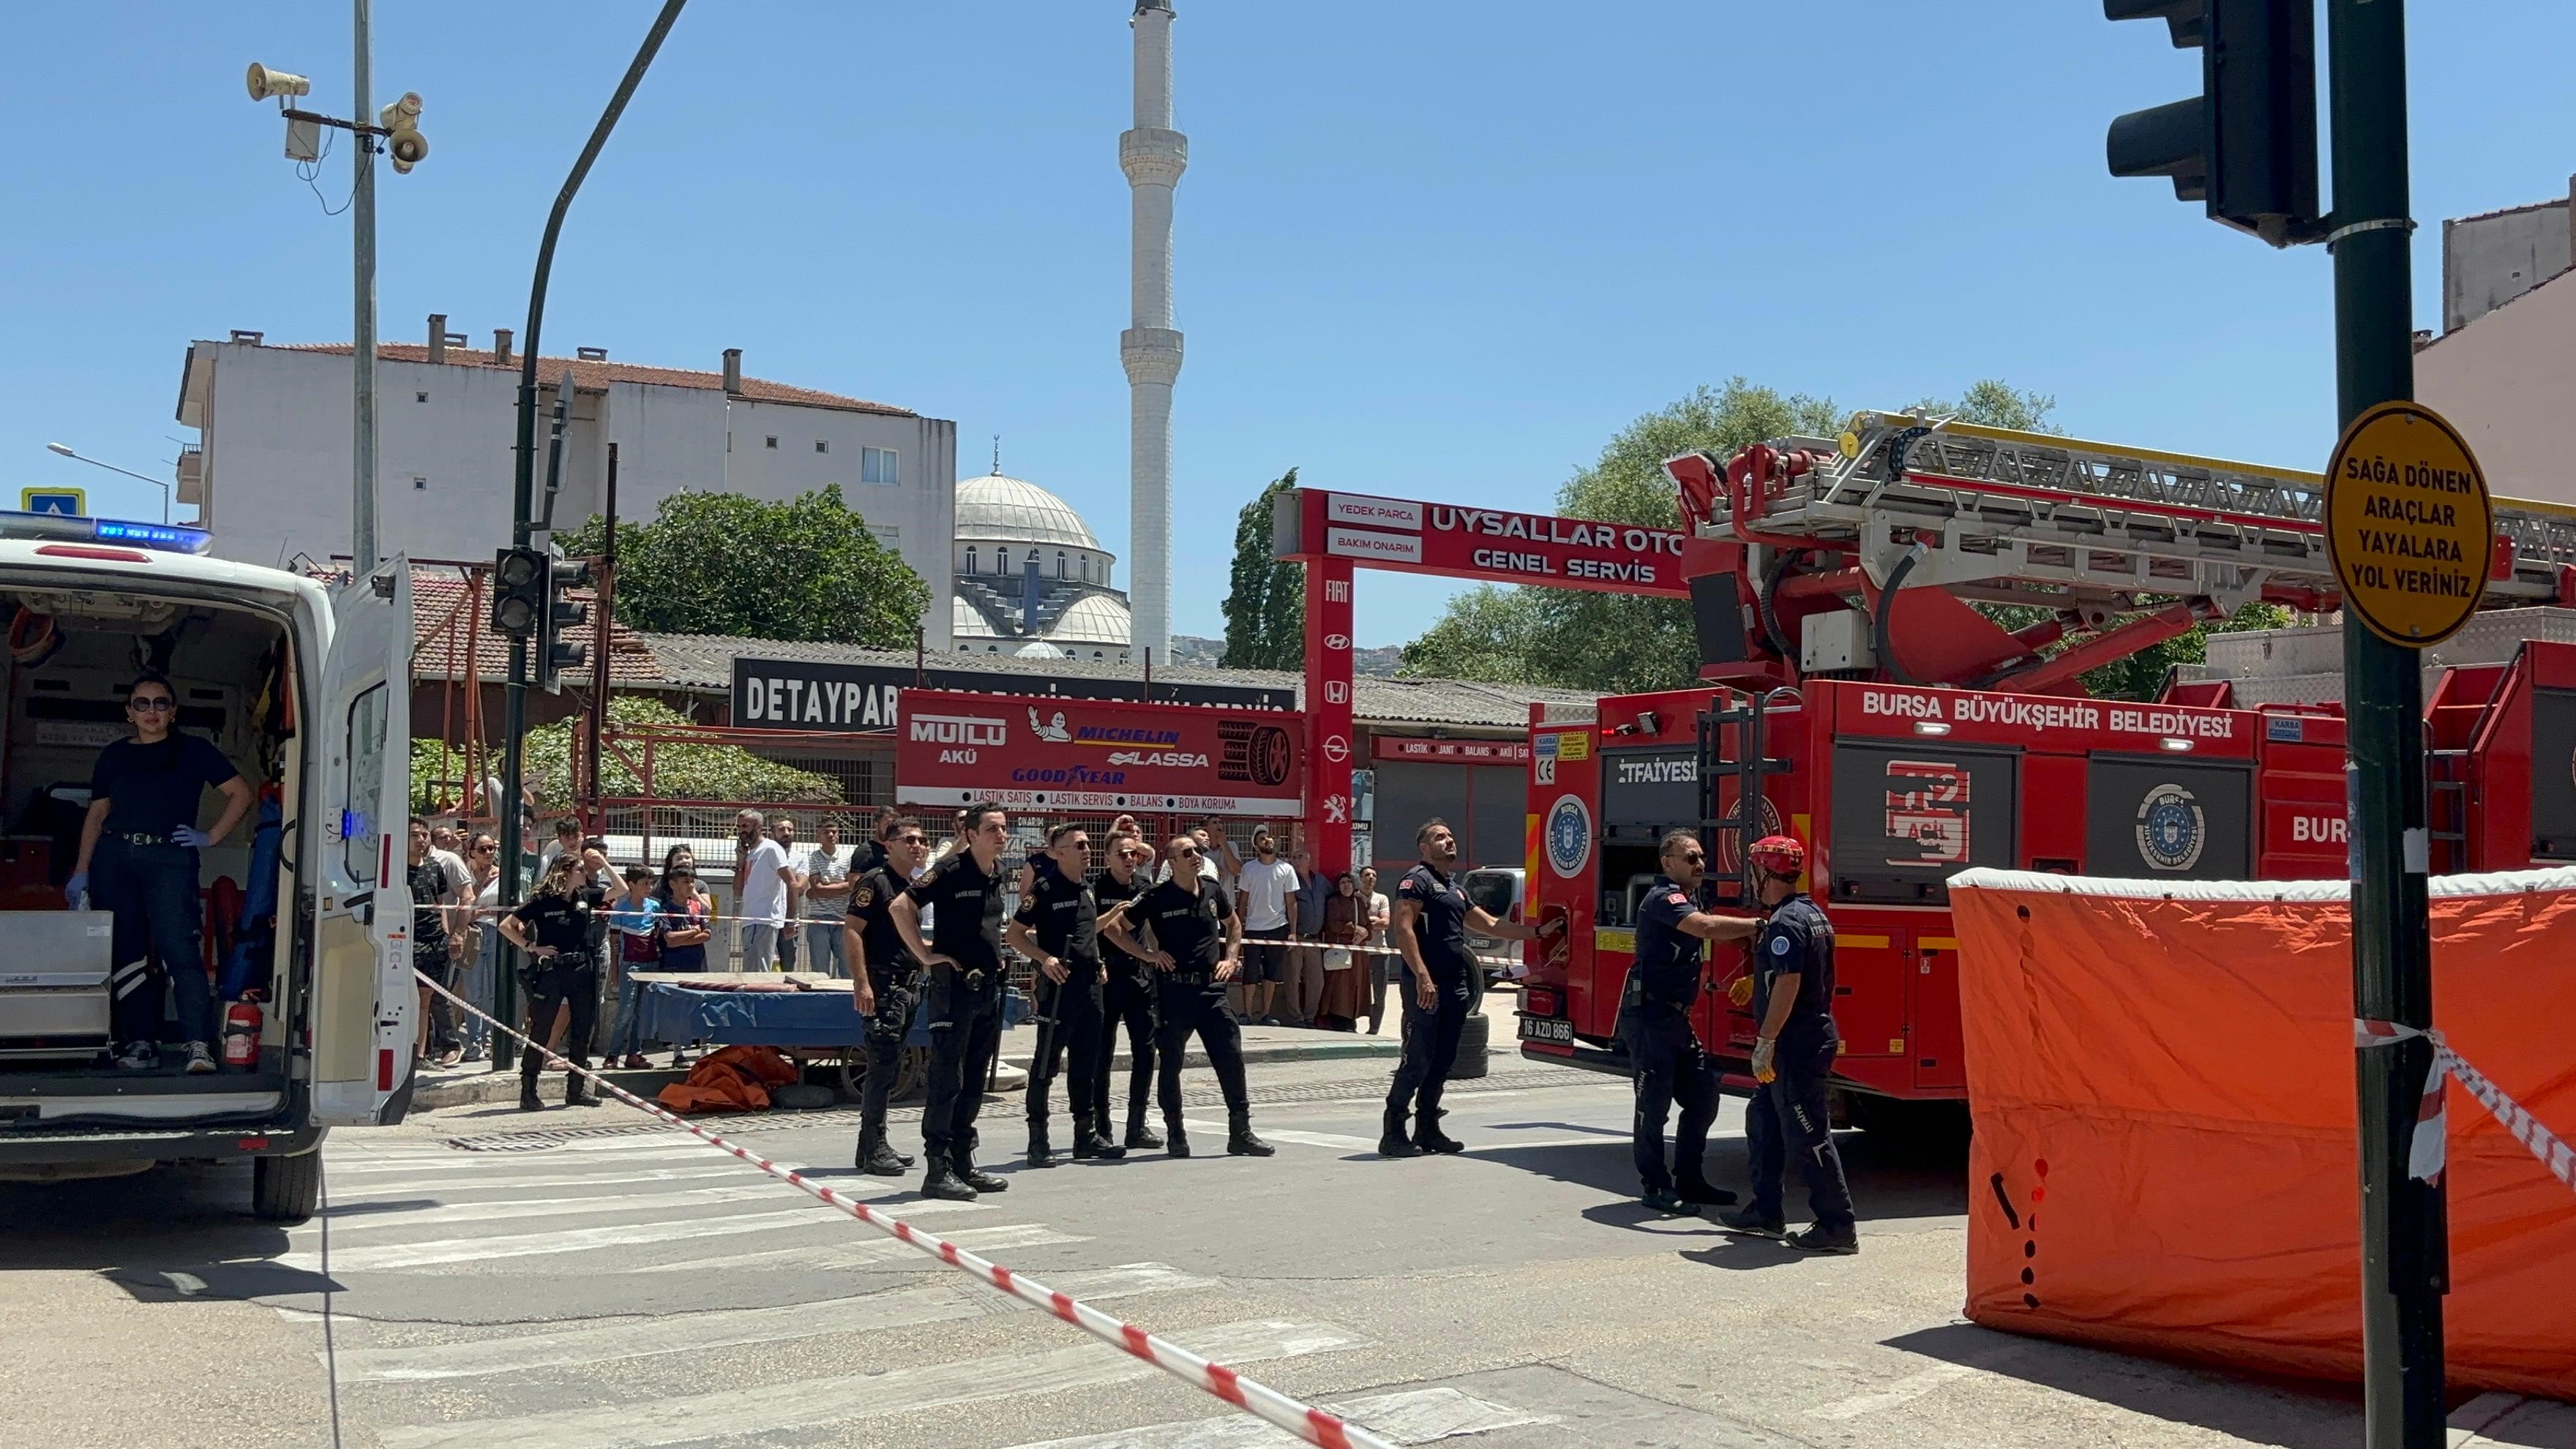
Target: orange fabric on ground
x=736, y=1079
x=2165, y=1156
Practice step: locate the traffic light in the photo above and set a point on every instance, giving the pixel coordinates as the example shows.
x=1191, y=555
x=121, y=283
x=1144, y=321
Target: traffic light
x=2246, y=147
x=518, y=591
x=561, y=615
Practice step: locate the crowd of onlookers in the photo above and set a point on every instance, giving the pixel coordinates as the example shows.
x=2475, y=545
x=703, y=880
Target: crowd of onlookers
x=1305, y=962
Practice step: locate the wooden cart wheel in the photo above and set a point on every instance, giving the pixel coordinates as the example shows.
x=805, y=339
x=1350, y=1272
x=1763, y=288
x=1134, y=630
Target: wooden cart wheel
x=854, y=1072
x=912, y=1074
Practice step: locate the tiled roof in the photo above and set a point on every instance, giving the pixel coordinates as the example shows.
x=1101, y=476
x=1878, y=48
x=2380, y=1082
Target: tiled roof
x=595, y=374
x=439, y=633
x=704, y=662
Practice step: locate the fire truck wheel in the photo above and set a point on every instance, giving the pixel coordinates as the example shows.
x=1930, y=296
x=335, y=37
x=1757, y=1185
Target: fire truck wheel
x=1473, y=1036
x=283, y=1189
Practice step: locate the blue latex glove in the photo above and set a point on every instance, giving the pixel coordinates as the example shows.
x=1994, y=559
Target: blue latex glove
x=75, y=888
x=191, y=837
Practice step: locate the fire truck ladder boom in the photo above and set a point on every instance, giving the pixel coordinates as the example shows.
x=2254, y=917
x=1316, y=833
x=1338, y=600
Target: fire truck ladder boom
x=2020, y=517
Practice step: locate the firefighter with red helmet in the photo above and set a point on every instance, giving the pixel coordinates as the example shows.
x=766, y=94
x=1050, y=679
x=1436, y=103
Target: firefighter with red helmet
x=1793, y=1053
x=1665, y=1056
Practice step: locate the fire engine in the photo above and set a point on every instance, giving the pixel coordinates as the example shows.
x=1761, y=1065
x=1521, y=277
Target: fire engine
x=1853, y=694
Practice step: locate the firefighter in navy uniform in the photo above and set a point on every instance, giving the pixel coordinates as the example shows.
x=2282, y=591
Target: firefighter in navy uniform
x=1655, y=1028
x=962, y=996
x=884, y=981
x=1058, y=927
x=1793, y=1053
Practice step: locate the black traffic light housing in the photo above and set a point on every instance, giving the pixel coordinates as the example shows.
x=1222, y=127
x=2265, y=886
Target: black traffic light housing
x=2246, y=147
x=560, y=615
x=518, y=591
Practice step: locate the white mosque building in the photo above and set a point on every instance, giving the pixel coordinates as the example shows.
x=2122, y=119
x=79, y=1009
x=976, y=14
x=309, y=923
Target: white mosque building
x=1031, y=578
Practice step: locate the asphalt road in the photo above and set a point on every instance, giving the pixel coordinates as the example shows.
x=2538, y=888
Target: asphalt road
x=479, y=1280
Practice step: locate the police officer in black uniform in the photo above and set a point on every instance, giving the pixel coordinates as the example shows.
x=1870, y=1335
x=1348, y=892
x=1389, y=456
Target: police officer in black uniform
x=553, y=927
x=963, y=997
x=1197, y=946
x=1127, y=996
x=1058, y=927
x=1793, y=1053
x=1664, y=1052
x=1432, y=914
x=884, y=981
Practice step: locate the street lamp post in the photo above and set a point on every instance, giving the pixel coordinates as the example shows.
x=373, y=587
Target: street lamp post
x=63, y=450
x=397, y=128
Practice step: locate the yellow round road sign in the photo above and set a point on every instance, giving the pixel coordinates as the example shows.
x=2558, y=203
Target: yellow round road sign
x=2409, y=526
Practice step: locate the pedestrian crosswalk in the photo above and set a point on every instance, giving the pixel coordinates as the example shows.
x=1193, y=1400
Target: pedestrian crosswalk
x=555, y=1299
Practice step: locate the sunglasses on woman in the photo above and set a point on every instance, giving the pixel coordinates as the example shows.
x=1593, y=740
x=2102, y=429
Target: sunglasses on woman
x=161, y=705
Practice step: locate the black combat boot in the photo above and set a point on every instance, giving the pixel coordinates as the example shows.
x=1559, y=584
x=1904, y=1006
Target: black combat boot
x=577, y=1088
x=1239, y=1141
x=1088, y=1141
x=531, y=1062
x=974, y=1177
x=877, y=1157
x=1139, y=1136
x=1041, y=1154
x=942, y=1183
x=1179, y=1140
x=1392, y=1140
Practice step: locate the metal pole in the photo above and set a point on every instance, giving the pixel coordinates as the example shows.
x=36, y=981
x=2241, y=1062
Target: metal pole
x=514, y=710
x=2403, y=1226
x=602, y=615
x=362, y=333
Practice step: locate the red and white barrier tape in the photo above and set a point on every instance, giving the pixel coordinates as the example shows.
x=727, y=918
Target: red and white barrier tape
x=1315, y=1426
x=2429, y=1151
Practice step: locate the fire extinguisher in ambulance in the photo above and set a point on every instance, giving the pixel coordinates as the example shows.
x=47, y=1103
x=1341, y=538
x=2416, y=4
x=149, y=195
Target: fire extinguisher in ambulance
x=241, y=1035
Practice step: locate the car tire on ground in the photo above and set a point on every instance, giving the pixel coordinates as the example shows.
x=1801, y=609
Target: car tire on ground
x=1475, y=1034
x=284, y=1189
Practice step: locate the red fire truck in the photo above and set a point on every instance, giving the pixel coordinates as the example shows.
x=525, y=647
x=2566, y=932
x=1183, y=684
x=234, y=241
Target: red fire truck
x=1853, y=697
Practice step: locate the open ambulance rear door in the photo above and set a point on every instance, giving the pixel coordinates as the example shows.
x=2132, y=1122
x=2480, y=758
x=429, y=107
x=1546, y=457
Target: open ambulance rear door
x=364, y=996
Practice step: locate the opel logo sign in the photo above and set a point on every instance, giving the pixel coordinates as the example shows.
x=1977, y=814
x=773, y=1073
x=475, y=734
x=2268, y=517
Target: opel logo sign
x=1336, y=748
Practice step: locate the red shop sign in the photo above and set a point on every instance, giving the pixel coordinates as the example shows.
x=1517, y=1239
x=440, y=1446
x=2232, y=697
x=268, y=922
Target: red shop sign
x=1490, y=543
x=1042, y=752
x=1464, y=752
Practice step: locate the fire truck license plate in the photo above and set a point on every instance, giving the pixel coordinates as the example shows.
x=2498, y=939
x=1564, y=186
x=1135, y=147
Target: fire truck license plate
x=1547, y=1028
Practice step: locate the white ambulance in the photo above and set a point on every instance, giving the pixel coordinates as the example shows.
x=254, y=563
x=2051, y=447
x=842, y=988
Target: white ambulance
x=306, y=689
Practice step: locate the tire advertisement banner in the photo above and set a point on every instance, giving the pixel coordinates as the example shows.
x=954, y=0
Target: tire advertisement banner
x=1044, y=752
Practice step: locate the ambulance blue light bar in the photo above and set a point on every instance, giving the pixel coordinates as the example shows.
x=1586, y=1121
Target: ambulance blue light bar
x=60, y=527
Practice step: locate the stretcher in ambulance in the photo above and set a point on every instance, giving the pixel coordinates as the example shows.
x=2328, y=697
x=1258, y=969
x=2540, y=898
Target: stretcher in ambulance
x=306, y=690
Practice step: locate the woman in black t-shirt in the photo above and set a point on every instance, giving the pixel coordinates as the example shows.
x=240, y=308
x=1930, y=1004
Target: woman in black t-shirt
x=553, y=927
x=138, y=861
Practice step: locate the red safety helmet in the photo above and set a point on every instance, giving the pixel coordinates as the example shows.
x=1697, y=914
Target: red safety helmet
x=1781, y=855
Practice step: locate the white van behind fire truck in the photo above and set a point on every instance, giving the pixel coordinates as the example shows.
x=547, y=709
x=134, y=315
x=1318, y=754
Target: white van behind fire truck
x=307, y=691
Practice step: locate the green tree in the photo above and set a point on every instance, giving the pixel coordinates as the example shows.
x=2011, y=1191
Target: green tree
x=1602, y=641
x=2142, y=674
x=721, y=563
x=680, y=772
x=1994, y=403
x=1265, y=603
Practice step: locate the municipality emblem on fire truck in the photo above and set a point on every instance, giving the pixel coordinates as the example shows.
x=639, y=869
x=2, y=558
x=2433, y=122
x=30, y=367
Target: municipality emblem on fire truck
x=1569, y=836
x=2171, y=828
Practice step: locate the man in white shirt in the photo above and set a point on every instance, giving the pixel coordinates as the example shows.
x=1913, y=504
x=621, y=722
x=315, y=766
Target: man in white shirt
x=1265, y=893
x=763, y=883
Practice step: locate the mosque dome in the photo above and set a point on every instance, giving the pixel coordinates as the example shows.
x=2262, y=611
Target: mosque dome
x=995, y=509
x=1007, y=526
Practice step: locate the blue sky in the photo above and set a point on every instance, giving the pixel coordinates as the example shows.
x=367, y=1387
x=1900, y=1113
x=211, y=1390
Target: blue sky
x=1434, y=249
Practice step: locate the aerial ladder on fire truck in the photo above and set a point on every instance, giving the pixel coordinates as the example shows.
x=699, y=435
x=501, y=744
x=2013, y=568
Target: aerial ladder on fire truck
x=1862, y=556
